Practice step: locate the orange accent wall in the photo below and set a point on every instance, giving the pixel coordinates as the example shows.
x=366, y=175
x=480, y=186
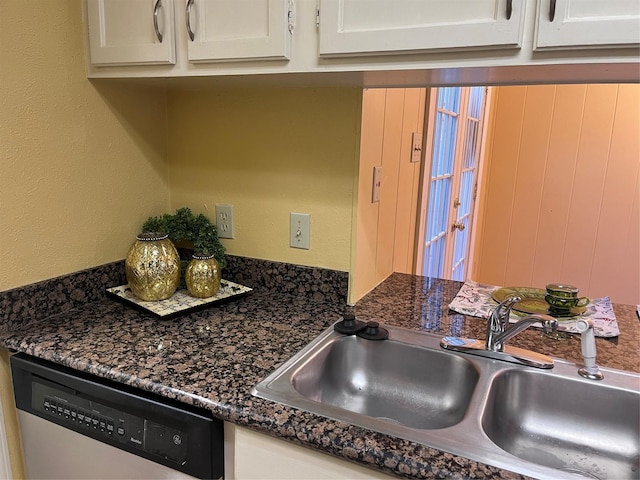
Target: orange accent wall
x=561, y=191
x=386, y=230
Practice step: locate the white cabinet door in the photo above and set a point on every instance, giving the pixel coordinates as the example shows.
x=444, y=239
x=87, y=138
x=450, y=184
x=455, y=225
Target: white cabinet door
x=587, y=24
x=251, y=455
x=5, y=467
x=126, y=32
x=229, y=30
x=362, y=27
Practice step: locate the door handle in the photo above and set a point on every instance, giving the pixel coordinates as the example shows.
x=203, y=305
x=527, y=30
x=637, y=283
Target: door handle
x=552, y=10
x=156, y=8
x=457, y=226
x=190, y=32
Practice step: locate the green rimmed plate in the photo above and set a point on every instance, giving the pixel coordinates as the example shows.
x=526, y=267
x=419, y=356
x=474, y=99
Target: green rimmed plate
x=532, y=301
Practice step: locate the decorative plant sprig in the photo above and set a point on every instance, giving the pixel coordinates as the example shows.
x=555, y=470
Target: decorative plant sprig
x=186, y=227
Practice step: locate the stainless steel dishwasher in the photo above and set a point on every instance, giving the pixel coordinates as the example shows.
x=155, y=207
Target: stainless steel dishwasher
x=76, y=425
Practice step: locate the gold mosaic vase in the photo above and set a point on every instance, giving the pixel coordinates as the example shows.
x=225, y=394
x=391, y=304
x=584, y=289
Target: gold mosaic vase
x=152, y=267
x=203, y=276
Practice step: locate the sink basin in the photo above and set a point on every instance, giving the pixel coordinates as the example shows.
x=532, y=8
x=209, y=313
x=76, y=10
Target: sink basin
x=576, y=426
x=389, y=380
x=539, y=423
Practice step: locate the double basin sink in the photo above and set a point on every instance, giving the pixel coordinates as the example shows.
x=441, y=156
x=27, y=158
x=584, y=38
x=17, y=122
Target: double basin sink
x=539, y=423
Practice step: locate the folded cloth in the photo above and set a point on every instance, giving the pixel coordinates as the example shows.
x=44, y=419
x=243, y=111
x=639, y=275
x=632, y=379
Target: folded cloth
x=475, y=299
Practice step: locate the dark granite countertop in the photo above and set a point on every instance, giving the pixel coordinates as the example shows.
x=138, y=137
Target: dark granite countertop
x=212, y=358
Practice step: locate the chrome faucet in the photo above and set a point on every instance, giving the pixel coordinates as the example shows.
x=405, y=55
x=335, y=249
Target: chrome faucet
x=499, y=332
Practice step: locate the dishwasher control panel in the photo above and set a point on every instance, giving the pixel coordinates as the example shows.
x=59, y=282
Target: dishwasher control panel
x=165, y=431
x=72, y=409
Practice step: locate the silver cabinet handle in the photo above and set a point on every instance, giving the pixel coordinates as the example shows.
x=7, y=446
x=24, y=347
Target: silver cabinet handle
x=509, y=9
x=192, y=35
x=552, y=10
x=156, y=9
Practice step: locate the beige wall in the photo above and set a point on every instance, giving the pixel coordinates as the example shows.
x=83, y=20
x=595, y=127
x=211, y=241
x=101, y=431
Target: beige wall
x=80, y=164
x=269, y=152
x=385, y=237
x=562, y=190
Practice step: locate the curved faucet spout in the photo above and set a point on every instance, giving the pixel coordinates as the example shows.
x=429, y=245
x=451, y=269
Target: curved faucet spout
x=549, y=324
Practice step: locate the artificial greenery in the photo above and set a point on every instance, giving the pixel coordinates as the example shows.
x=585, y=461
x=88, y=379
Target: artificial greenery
x=186, y=227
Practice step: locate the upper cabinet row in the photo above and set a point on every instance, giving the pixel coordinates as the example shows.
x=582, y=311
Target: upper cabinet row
x=209, y=37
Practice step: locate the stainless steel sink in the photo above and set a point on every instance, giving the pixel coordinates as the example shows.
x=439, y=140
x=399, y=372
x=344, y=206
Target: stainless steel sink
x=539, y=423
x=571, y=425
x=403, y=383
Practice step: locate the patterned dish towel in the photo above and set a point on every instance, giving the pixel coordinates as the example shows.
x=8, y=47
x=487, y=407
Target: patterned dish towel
x=474, y=299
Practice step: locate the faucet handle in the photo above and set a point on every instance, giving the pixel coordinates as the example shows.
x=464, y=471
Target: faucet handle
x=499, y=319
x=503, y=310
x=510, y=301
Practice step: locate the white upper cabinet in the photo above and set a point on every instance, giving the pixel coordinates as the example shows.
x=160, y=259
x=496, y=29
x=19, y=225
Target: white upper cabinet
x=230, y=30
x=126, y=32
x=370, y=42
x=366, y=27
x=565, y=24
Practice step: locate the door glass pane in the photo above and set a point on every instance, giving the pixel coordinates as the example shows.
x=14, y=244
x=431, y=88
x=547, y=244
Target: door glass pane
x=445, y=133
x=467, y=181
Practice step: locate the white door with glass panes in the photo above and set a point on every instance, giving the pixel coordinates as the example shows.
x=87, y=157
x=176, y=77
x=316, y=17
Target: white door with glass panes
x=368, y=27
x=454, y=140
x=563, y=24
x=131, y=32
x=233, y=30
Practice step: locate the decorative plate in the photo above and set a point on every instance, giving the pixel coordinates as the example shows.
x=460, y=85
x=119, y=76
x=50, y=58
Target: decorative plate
x=532, y=301
x=180, y=303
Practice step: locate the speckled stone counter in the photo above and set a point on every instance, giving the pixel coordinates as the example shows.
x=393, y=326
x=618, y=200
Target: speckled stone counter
x=212, y=358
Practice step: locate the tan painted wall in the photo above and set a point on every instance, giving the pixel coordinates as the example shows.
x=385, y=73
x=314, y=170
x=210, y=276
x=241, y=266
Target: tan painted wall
x=386, y=230
x=80, y=164
x=562, y=190
x=269, y=152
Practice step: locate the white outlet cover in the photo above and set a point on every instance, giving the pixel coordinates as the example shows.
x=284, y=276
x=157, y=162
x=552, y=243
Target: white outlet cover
x=224, y=221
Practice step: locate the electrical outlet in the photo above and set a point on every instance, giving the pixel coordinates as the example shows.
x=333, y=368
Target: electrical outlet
x=224, y=221
x=300, y=230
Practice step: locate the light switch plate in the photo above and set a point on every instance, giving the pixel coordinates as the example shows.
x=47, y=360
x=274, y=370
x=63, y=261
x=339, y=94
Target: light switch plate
x=377, y=181
x=416, y=147
x=300, y=230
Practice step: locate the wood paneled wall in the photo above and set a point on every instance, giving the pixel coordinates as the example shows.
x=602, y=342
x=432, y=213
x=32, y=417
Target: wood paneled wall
x=385, y=233
x=561, y=191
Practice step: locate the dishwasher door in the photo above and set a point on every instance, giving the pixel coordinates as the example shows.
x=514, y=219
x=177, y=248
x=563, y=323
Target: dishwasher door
x=76, y=425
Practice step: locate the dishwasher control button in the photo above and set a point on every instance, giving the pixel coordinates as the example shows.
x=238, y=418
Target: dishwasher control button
x=46, y=404
x=103, y=425
x=67, y=412
x=74, y=414
x=120, y=430
x=60, y=409
x=94, y=422
x=110, y=428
